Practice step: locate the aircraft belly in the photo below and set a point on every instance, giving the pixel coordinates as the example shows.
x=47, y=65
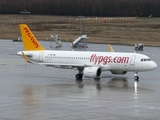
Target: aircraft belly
x=122, y=67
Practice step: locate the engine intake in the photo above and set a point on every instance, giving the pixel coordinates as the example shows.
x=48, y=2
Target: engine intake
x=92, y=72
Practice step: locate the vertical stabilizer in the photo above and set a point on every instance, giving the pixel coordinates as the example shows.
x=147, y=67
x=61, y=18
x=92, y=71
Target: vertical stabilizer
x=29, y=40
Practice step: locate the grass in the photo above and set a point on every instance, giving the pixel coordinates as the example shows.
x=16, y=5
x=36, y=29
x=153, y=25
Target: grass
x=129, y=32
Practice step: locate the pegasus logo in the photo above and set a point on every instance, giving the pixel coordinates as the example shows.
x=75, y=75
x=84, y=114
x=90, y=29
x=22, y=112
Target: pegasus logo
x=31, y=37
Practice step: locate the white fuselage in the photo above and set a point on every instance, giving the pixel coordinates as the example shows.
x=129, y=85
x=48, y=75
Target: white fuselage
x=112, y=61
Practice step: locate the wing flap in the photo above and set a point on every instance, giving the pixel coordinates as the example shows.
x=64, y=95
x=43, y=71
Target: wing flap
x=61, y=64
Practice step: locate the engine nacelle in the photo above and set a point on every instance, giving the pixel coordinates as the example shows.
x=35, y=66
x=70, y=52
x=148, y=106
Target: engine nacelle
x=119, y=72
x=92, y=72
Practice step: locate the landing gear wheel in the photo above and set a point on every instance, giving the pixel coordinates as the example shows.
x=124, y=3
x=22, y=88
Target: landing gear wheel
x=79, y=76
x=136, y=78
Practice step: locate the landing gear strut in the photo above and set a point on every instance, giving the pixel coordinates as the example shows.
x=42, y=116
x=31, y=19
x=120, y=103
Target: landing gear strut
x=136, y=77
x=80, y=73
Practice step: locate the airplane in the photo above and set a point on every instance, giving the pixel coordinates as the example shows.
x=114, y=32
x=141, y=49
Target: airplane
x=88, y=63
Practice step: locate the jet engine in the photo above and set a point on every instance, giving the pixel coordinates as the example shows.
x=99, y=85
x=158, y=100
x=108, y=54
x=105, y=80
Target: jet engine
x=119, y=72
x=92, y=72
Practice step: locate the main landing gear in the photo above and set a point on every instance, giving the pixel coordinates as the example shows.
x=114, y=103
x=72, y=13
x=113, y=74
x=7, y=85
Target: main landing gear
x=80, y=73
x=79, y=76
x=136, y=77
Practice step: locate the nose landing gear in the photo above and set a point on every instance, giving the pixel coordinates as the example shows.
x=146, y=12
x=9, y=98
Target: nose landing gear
x=136, y=77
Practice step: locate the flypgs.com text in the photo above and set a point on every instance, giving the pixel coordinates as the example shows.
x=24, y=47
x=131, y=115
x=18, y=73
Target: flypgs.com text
x=108, y=59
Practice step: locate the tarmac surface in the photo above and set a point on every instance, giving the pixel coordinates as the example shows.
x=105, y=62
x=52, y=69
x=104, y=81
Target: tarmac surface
x=35, y=92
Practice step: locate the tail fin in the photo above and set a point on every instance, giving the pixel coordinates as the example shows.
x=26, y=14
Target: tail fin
x=29, y=40
x=110, y=48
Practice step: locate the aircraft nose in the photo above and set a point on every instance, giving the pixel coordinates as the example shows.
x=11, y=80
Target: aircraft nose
x=154, y=65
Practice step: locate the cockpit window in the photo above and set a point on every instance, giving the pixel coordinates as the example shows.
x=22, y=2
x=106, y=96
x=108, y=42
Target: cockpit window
x=145, y=59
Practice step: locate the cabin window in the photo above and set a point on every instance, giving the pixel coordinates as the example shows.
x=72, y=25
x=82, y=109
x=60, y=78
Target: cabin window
x=145, y=59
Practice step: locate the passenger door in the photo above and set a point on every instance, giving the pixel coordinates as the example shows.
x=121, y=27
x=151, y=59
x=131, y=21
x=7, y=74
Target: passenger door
x=132, y=62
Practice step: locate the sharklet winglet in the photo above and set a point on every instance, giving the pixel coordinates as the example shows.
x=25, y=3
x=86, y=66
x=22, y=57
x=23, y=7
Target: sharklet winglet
x=110, y=48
